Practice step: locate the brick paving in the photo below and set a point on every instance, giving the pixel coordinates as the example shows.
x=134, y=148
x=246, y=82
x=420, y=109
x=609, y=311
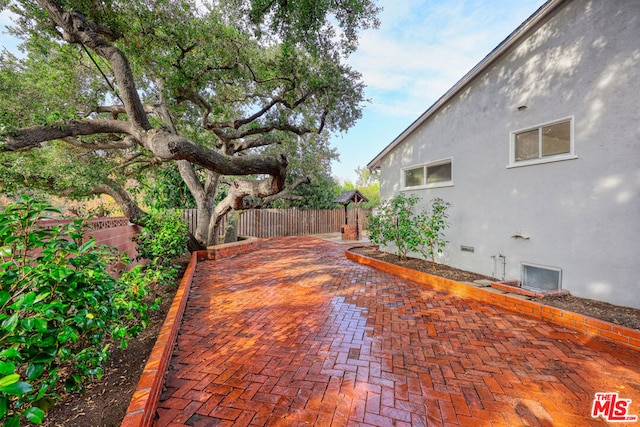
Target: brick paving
x=296, y=334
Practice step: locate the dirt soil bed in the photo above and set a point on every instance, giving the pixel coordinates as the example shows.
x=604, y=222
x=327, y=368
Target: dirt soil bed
x=624, y=316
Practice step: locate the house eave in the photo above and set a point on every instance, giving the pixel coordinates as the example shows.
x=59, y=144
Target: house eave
x=538, y=16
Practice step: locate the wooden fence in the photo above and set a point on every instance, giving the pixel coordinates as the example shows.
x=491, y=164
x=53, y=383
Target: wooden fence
x=287, y=222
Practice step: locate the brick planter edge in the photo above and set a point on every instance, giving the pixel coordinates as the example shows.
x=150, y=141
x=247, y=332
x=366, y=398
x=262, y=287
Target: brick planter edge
x=144, y=403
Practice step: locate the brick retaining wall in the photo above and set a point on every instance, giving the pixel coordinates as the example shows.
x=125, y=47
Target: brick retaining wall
x=116, y=232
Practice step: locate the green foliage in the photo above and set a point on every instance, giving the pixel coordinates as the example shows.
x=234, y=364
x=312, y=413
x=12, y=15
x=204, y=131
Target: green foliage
x=397, y=223
x=433, y=226
x=309, y=23
x=52, y=169
x=236, y=71
x=310, y=155
x=163, y=238
x=319, y=194
x=168, y=190
x=367, y=184
x=59, y=308
x=366, y=178
x=49, y=84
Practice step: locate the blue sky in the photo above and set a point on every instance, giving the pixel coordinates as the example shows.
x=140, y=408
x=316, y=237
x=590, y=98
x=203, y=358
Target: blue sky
x=422, y=48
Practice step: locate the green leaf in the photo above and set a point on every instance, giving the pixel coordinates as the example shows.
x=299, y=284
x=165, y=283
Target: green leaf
x=4, y=297
x=41, y=297
x=40, y=325
x=35, y=415
x=9, y=277
x=10, y=324
x=4, y=407
x=8, y=380
x=61, y=273
x=27, y=324
x=12, y=421
x=29, y=299
x=7, y=368
x=34, y=371
x=86, y=246
x=18, y=388
x=42, y=358
x=10, y=353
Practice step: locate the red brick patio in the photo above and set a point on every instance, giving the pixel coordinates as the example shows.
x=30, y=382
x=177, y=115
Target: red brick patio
x=296, y=334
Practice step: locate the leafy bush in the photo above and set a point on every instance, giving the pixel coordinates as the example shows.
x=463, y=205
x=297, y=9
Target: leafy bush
x=435, y=222
x=59, y=307
x=163, y=238
x=397, y=223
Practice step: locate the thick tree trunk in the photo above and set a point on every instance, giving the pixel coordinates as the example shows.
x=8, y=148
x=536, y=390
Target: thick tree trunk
x=216, y=219
x=231, y=229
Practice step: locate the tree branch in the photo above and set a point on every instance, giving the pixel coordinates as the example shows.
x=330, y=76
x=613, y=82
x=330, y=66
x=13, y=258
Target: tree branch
x=174, y=147
x=188, y=174
x=128, y=142
x=262, y=130
x=76, y=29
x=286, y=193
x=276, y=100
x=33, y=136
x=129, y=208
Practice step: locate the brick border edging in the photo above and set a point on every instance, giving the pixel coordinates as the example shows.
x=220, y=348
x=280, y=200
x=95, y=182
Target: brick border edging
x=144, y=403
x=586, y=325
x=226, y=250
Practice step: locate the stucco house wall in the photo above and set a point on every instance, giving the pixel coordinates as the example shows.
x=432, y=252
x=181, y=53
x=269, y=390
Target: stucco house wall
x=581, y=213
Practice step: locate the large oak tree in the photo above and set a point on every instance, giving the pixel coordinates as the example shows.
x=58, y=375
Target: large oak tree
x=110, y=90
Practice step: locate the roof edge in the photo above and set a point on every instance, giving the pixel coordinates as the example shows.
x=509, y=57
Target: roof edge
x=543, y=12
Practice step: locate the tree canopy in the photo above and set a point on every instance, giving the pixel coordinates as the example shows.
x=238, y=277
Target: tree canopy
x=108, y=91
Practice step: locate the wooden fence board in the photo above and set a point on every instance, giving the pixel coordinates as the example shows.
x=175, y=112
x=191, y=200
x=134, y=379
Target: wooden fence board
x=286, y=222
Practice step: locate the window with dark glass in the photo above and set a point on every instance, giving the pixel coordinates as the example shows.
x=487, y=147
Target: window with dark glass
x=431, y=174
x=543, y=142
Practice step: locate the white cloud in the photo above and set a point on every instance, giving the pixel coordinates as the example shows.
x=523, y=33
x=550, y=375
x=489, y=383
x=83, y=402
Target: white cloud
x=423, y=47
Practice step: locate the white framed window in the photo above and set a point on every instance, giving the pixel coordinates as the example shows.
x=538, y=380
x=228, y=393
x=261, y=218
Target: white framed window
x=547, y=142
x=429, y=175
x=540, y=277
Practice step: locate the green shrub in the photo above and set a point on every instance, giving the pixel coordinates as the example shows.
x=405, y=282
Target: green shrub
x=433, y=226
x=59, y=309
x=163, y=238
x=396, y=222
